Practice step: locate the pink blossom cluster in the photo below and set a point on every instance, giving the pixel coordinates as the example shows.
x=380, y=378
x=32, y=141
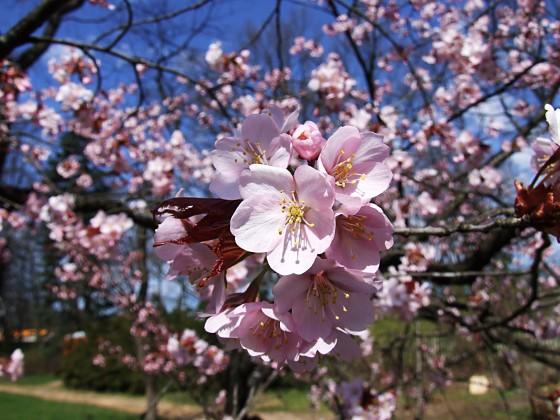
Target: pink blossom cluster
x=71, y=62
x=13, y=82
x=308, y=45
x=302, y=202
x=12, y=367
x=331, y=81
x=83, y=245
x=188, y=348
x=343, y=23
x=401, y=293
x=163, y=351
x=231, y=66
x=404, y=296
x=135, y=142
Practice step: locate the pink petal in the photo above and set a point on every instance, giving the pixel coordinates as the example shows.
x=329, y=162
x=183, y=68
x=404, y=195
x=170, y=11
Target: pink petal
x=321, y=235
x=346, y=138
x=287, y=290
x=310, y=319
x=371, y=149
x=354, y=311
x=277, y=115
x=322, y=345
x=192, y=260
x=347, y=281
x=229, y=166
x=259, y=129
x=279, y=151
x=170, y=229
x=217, y=322
x=380, y=225
x=168, y=251
x=376, y=182
x=255, y=224
x=287, y=259
x=265, y=181
x=313, y=188
x=354, y=253
x=346, y=347
x=290, y=122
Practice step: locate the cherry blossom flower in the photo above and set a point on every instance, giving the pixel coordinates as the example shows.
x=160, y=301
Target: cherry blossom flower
x=288, y=217
x=68, y=167
x=260, y=142
x=356, y=162
x=262, y=332
x=326, y=297
x=359, y=239
x=214, y=54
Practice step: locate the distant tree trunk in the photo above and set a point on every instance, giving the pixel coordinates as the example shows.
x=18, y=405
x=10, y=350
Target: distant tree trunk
x=149, y=380
x=240, y=380
x=151, y=398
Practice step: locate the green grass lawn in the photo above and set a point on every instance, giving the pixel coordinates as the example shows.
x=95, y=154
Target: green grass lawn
x=18, y=407
x=31, y=380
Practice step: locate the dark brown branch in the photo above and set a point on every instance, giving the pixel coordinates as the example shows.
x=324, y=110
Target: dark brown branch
x=19, y=34
x=504, y=222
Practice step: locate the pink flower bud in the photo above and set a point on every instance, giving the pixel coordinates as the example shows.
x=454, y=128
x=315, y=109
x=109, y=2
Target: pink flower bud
x=308, y=141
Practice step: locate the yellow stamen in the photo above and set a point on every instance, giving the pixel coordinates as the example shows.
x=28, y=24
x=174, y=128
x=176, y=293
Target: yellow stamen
x=355, y=225
x=344, y=173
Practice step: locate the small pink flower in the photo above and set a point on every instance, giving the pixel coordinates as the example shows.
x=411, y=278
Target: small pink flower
x=262, y=333
x=356, y=162
x=84, y=181
x=68, y=167
x=288, y=217
x=260, y=142
x=359, y=239
x=325, y=298
x=308, y=141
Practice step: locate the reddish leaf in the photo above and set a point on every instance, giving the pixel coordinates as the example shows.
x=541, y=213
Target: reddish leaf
x=216, y=215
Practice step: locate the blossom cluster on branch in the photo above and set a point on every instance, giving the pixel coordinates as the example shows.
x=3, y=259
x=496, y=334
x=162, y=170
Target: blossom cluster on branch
x=304, y=204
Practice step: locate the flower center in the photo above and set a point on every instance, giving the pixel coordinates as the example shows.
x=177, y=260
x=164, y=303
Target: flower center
x=322, y=289
x=303, y=136
x=355, y=225
x=269, y=328
x=252, y=152
x=294, y=211
x=324, y=293
x=343, y=172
